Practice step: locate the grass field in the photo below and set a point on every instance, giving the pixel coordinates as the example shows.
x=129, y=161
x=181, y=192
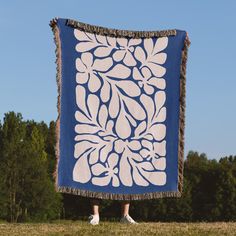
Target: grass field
x=112, y=228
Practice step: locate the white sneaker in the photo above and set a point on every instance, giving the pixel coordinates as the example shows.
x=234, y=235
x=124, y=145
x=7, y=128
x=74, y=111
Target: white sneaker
x=94, y=219
x=128, y=220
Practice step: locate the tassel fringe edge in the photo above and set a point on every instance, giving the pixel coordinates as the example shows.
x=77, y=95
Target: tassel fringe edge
x=115, y=32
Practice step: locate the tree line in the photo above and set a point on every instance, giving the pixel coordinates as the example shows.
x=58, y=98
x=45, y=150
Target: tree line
x=27, y=194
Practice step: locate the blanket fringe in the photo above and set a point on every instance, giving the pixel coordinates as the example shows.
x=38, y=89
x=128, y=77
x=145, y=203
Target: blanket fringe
x=116, y=196
x=55, y=29
x=119, y=33
x=182, y=104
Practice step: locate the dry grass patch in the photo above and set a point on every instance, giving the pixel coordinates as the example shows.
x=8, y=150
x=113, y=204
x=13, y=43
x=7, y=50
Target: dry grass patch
x=116, y=228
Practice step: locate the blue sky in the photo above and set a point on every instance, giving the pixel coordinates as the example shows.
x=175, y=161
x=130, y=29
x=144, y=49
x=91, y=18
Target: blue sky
x=27, y=68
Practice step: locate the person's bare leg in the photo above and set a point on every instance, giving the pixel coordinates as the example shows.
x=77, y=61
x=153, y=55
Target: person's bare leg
x=125, y=217
x=94, y=218
x=95, y=206
x=125, y=208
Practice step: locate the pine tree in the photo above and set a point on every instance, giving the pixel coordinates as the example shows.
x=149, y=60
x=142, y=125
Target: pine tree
x=27, y=192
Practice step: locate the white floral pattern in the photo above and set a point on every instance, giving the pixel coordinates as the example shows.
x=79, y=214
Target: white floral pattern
x=120, y=96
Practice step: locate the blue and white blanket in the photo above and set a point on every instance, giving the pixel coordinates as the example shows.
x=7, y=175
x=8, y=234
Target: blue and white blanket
x=121, y=106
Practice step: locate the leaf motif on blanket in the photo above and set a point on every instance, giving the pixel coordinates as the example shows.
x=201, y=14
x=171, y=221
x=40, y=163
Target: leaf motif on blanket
x=119, y=71
x=81, y=171
x=126, y=47
x=121, y=112
x=88, y=41
x=147, y=81
x=109, y=172
x=154, y=58
x=125, y=170
x=88, y=68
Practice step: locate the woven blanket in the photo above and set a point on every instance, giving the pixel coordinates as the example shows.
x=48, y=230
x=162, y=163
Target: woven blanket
x=121, y=111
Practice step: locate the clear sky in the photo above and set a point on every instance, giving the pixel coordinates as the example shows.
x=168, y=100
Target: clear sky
x=27, y=68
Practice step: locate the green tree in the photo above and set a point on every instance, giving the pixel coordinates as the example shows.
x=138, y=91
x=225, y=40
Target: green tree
x=50, y=148
x=27, y=191
x=225, y=196
x=13, y=133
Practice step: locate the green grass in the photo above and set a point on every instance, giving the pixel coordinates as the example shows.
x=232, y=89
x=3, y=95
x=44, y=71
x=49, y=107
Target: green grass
x=115, y=228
